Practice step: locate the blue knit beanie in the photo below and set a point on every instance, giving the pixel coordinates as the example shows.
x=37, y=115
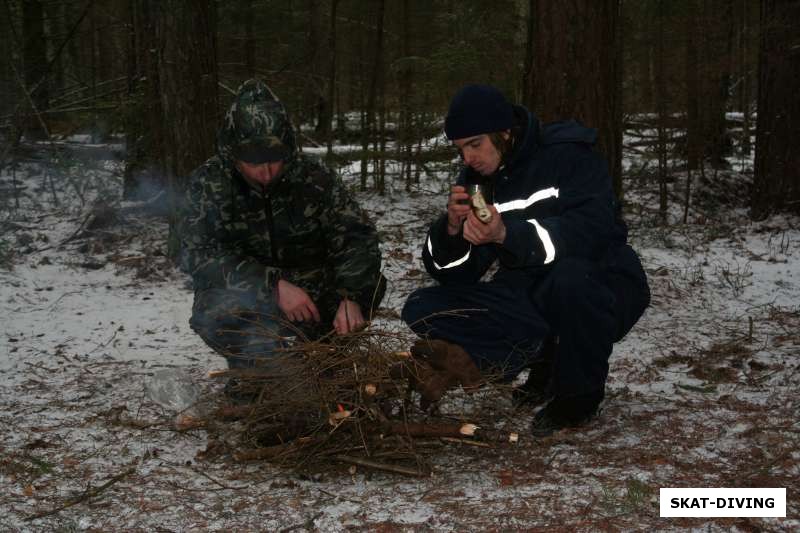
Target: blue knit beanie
x=477, y=109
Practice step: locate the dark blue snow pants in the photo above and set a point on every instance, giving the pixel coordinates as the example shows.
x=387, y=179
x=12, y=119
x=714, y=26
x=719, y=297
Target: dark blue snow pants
x=502, y=324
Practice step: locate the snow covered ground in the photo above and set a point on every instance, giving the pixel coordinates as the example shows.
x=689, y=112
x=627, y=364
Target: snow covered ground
x=702, y=393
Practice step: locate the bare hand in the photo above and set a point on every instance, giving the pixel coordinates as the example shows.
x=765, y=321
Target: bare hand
x=295, y=303
x=348, y=317
x=477, y=232
x=456, y=211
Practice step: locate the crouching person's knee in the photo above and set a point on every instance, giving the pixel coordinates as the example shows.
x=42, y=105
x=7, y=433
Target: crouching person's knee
x=424, y=304
x=242, y=331
x=412, y=310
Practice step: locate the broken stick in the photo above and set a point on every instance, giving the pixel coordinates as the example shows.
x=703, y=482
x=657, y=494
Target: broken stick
x=368, y=463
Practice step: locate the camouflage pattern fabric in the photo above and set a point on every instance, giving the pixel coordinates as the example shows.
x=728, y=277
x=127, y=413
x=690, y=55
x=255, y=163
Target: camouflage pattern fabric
x=303, y=227
x=238, y=326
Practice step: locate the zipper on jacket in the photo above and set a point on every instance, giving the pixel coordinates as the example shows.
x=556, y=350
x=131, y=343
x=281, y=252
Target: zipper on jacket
x=270, y=227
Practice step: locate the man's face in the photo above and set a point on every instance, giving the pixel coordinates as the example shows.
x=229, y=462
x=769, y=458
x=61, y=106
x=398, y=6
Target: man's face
x=480, y=153
x=260, y=174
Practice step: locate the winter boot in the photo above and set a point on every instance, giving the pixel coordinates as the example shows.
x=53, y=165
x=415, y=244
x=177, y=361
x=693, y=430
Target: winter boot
x=451, y=359
x=561, y=413
x=431, y=384
x=537, y=388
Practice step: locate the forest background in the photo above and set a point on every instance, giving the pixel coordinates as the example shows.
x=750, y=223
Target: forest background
x=376, y=76
x=106, y=105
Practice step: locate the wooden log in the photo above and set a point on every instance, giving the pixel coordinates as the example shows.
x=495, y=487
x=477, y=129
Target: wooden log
x=467, y=442
x=415, y=429
x=276, y=451
x=458, y=431
x=386, y=467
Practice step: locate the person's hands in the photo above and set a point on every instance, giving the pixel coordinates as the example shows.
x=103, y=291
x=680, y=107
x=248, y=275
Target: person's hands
x=477, y=232
x=348, y=317
x=456, y=210
x=295, y=303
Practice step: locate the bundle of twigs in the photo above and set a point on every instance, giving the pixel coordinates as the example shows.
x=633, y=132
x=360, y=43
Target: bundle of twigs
x=334, y=400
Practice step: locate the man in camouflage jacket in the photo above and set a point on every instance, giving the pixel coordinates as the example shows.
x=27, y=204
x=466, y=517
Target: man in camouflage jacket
x=275, y=244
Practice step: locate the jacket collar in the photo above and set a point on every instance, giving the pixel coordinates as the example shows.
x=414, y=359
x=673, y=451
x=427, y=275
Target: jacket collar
x=526, y=134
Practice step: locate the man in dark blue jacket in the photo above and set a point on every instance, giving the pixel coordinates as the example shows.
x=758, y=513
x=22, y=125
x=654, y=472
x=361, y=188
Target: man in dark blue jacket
x=567, y=286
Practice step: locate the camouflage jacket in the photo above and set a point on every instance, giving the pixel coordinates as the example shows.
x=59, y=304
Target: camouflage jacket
x=303, y=227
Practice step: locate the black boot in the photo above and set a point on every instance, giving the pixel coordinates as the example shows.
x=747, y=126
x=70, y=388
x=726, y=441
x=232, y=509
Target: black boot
x=561, y=413
x=537, y=388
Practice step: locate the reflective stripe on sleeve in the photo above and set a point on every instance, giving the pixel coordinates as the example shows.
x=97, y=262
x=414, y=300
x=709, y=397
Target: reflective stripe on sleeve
x=544, y=235
x=522, y=203
x=451, y=264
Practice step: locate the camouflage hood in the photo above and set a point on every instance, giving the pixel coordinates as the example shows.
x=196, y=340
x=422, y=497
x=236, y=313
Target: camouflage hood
x=256, y=128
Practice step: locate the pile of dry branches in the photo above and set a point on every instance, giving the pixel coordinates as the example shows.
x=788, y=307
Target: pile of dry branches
x=335, y=400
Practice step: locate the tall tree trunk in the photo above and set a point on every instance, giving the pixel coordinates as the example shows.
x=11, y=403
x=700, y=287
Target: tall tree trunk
x=661, y=111
x=57, y=17
x=404, y=140
x=132, y=74
x=188, y=79
x=575, y=70
x=694, y=136
x=777, y=167
x=145, y=172
x=93, y=44
x=331, y=80
x=380, y=141
x=744, y=72
x=249, y=40
x=644, y=66
x=76, y=72
x=359, y=75
x=34, y=56
x=375, y=81
x=316, y=94
x=721, y=16
x=8, y=87
x=527, y=69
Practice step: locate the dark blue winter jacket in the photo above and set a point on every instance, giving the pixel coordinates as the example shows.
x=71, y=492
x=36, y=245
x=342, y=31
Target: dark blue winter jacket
x=556, y=199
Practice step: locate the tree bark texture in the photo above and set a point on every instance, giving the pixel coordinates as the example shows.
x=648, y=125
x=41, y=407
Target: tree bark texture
x=661, y=110
x=145, y=131
x=717, y=23
x=777, y=162
x=694, y=137
x=34, y=56
x=249, y=39
x=576, y=70
x=8, y=86
x=328, y=118
x=370, y=133
x=188, y=81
